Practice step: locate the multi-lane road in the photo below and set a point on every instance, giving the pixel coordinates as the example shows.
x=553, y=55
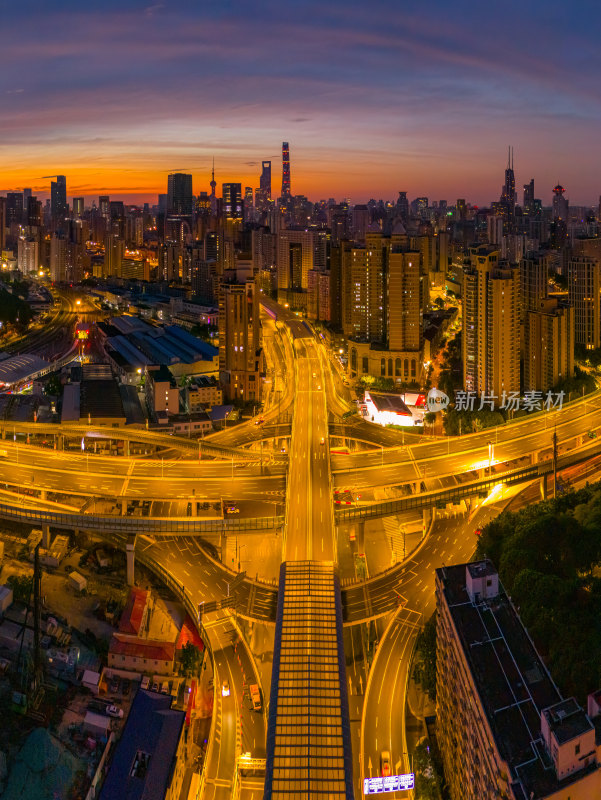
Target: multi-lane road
x=306, y=390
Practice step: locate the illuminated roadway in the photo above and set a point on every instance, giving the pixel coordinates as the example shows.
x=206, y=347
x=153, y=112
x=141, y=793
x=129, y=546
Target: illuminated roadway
x=309, y=509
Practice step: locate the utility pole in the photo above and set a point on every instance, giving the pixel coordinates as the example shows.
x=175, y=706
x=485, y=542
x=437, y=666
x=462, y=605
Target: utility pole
x=554, y=462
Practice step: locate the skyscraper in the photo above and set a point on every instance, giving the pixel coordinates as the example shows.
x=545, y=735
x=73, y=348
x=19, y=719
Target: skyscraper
x=285, y=171
x=232, y=201
x=265, y=181
x=584, y=288
x=508, y=196
x=78, y=206
x=58, y=199
x=179, y=194
x=529, y=197
x=240, y=356
x=491, y=326
x=213, y=195
x=560, y=203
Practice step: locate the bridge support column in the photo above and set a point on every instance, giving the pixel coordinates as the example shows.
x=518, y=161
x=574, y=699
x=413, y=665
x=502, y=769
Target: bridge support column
x=46, y=536
x=126, y=448
x=534, y=458
x=43, y=494
x=123, y=508
x=130, y=554
x=223, y=548
x=543, y=487
x=360, y=534
x=427, y=517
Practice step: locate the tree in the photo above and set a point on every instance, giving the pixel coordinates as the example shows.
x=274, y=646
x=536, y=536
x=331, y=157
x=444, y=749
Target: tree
x=22, y=586
x=191, y=659
x=53, y=386
x=424, y=671
x=427, y=779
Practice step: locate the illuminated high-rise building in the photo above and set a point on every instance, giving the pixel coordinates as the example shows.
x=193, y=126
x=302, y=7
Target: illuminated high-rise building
x=548, y=345
x=491, y=325
x=58, y=199
x=232, y=201
x=584, y=292
x=528, y=206
x=78, y=206
x=265, y=181
x=179, y=194
x=285, y=171
x=34, y=212
x=104, y=206
x=560, y=203
x=240, y=357
x=28, y=254
x=508, y=195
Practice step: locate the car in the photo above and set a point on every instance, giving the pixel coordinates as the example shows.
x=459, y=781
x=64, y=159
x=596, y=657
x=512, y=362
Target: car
x=225, y=689
x=145, y=682
x=323, y=441
x=114, y=711
x=385, y=763
x=478, y=532
x=155, y=686
x=352, y=537
x=232, y=510
x=255, y=696
x=314, y=374
x=319, y=388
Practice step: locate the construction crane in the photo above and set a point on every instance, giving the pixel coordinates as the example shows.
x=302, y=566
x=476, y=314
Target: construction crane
x=47, y=176
x=31, y=670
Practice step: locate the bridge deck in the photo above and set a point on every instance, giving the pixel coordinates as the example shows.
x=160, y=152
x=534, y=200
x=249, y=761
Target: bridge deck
x=308, y=737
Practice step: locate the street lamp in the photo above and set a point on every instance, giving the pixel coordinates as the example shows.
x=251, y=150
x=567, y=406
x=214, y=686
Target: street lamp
x=491, y=454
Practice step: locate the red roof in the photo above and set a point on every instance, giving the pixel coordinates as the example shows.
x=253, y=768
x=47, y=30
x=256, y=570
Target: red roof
x=187, y=634
x=134, y=647
x=133, y=613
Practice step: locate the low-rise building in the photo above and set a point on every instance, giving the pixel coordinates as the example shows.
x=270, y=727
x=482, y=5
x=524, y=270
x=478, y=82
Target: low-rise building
x=204, y=392
x=162, y=393
x=139, y=655
x=148, y=761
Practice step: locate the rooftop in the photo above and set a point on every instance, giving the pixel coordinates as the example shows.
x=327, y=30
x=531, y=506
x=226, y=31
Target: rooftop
x=391, y=403
x=100, y=399
x=143, y=761
x=123, y=644
x=512, y=681
x=567, y=720
x=133, y=613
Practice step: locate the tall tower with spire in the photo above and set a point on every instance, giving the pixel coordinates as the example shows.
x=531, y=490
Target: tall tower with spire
x=213, y=195
x=508, y=196
x=285, y=171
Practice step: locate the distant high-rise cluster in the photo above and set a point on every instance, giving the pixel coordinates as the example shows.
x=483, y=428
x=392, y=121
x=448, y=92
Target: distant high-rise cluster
x=386, y=278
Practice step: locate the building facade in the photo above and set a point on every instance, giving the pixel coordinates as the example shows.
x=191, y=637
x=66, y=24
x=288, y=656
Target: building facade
x=503, y=728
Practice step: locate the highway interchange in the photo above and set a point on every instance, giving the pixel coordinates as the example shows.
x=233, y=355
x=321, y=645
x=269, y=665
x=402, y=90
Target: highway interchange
x=306, y=398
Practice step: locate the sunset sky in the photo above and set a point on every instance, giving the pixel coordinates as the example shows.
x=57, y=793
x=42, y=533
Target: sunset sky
x=374, y=97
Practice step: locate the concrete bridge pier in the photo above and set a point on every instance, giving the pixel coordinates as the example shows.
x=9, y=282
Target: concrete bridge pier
x=130, y=554
x=543, y=487
x=46, y=536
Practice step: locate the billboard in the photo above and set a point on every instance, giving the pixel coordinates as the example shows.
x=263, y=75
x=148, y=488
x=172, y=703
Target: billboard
x=391, y=783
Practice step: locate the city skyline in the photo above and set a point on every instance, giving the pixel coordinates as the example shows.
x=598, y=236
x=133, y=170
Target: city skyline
x=372, y=101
